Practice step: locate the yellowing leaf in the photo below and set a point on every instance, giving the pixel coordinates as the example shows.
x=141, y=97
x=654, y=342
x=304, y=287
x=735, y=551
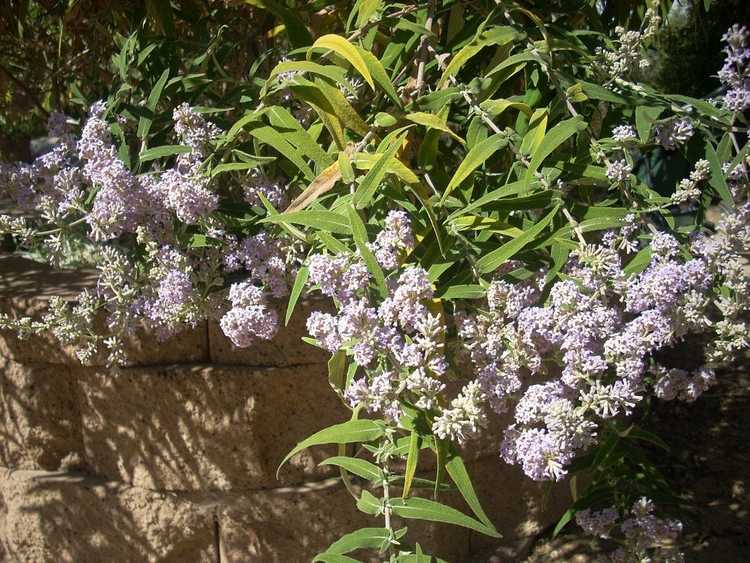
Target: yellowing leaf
x=341, y=46
x=432, y=121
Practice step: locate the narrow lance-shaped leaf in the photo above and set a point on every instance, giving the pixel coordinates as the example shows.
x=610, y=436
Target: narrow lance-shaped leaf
x=553, y=139
x=317, y=219
x=360, y=467
x=425, y=509
x=411, y=463
x=360, y=239
x=460, y=476
x=299, y=284
x=432, y=121
x=364, y=538
x=161, y=152
x=375, y=175
x=344, y=433
x=144, y=123
x=476, y=157
x=273, y=138
x=492, y=261
x=341, y=46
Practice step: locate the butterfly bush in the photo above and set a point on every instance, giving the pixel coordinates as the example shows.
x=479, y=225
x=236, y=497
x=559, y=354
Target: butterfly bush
x=480, y=238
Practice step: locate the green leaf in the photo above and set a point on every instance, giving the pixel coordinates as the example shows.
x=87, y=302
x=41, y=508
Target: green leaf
x=492, y=261
x=596, y=92
x=273, y=138
x=359, y=467
x=335, y=73
x=337, y=371
x=717, y=180
x=341, y=46
x=457, y=471
x=535, y=134
x=380, y=75
x=144, y=123
x=553, y=139
x=344, y=433
x=425, y=509
x=639, y=262
x=364, y=538
x=317, y=219
x=411, y=463
x=360, y=239
x=476, y=157
x=432, y=121
x=383, y=119
x=496, y=107
x=644, y=119
x=298, y=34
x=299, y=284
x=463, y=292
x=369, y=503
x=334, y=558
x=370, y=183
x=494, y=36
x=230, y=167
x=161, y=152
x=366, y=10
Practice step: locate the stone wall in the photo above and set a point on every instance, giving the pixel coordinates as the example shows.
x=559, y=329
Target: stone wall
x=173, y=458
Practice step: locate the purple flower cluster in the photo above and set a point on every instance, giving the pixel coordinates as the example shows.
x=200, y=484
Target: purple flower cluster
x=674, y=133
x=272, y=189
x=603, y=327
x=340, y=277
x=192, y=129
x=123, y=202
x=184, y=188
x=399, y=340
x=395, y=240
x=250, y=317
x=642, y=534
x=735, y=74
x=267, y=259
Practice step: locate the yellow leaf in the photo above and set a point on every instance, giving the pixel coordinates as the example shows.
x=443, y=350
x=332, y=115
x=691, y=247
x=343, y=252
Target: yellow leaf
x=341, y=46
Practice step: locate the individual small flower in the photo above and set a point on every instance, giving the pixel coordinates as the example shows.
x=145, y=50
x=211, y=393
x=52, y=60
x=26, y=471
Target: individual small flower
x=618, y=171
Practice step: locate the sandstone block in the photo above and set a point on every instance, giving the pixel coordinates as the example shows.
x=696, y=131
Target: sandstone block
x=519, y=507
x=206, y=428
x=63, y=517
x=285, y=349
x=39, y=416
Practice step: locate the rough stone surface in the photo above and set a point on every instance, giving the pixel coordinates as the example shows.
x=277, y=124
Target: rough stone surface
x=286, y=348
x=63, y=517
x=197, y=428
x=518, y=506
x=39, y=417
